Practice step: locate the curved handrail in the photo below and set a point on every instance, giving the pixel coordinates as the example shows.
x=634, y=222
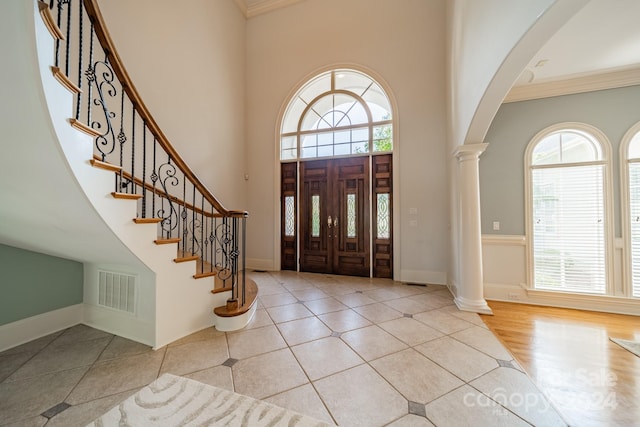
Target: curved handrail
x=93, y=11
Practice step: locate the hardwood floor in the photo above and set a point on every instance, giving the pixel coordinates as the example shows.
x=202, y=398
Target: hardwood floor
x=588, y=378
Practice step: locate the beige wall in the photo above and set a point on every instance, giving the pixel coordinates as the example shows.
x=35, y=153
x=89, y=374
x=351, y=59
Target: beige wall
x=187, y=61
x=402, y=45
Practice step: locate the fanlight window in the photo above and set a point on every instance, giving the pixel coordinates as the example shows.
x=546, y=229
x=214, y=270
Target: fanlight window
x=338, y=113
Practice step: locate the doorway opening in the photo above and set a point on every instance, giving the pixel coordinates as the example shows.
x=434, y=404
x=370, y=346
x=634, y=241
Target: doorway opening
x=336, y=177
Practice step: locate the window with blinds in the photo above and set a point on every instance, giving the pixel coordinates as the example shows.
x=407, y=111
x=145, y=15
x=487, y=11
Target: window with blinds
x=633, y=164
x=567, y=179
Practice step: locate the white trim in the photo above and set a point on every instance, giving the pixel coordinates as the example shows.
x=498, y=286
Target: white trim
x=22, y=331
x=603, y=303
x=261, y=264
x=504, y=240
x=627, y=262
x=605, y=145
x=119, y=323
x=475, y=306
x=277, y=262
x=266, y=6
x=580, y=84
x=423, y=277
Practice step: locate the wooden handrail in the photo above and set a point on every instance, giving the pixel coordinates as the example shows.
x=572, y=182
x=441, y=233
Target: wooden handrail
x=160, y=192
x=93, y=11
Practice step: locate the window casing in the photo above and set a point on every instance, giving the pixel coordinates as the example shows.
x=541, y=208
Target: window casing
x=338, y=113
x=630, y=159
x=568, y=219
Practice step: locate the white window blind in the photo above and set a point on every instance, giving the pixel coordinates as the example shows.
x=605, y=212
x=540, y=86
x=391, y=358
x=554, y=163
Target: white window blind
x=634, y=211
x=569, y=228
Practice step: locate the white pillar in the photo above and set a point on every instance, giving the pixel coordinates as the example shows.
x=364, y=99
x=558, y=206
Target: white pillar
x=470, y=290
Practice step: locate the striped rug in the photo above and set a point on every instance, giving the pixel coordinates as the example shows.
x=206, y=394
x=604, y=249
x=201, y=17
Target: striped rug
x=178, y=401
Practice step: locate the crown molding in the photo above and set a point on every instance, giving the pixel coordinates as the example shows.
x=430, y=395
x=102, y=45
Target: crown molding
x=242, y=6
x=263, y=6
x=580, y=84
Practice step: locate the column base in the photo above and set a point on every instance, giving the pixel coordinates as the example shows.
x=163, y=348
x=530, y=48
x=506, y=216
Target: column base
x=475, y=306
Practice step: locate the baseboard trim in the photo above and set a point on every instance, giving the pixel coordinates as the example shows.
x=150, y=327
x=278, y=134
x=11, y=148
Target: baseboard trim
x=22, y=331
x=122, y=324
x=260, y=264
x=423, y=276
x=518, y=294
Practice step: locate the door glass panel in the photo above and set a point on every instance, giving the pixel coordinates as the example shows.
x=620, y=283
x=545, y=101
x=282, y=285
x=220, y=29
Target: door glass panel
x=351, y=215
x=382, y=221
x=289, y=217
x=315, y=215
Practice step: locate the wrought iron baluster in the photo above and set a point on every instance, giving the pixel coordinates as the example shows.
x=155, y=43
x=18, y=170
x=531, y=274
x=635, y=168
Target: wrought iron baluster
x=133, y=152
x=167, y=173
x=154, y=179
x=183, y=217
x=80, y=47
x=90, y=75
x=144, y=169
x=203, y=242
x=193, y=222
x=68, y=47
x=58, y=22
x=244, y=257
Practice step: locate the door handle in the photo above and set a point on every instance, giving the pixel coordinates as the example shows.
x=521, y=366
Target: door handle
x=335, y=222
x=329, y=221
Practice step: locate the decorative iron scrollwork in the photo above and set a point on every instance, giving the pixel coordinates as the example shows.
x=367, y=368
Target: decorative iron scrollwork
x=101, y=74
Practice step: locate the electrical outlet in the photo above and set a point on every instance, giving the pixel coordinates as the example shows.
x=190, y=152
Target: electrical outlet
x=496, y=225
x=513, y=295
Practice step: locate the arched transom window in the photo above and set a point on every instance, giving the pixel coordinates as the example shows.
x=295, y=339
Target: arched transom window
x=567, y=212
x=338, y=113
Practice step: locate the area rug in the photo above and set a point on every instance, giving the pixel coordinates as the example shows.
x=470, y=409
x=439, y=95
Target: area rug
x=632, y=346
x=177, y=401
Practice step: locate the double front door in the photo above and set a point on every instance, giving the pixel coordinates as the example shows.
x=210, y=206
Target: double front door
x=335, y=216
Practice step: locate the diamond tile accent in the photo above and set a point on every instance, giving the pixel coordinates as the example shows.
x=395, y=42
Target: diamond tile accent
x=505, y=363
x=52, y=412
x=230, y=362
x=416, y=408
x=352, y=351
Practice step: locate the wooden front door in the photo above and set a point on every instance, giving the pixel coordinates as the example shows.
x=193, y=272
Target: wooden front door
x=335, y=216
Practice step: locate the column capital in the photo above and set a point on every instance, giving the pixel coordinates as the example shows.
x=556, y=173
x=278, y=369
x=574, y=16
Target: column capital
x=469, y=151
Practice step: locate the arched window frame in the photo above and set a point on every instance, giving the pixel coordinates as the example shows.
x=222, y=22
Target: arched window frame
x=371, y=124
x=632, y=135
x=599, y=137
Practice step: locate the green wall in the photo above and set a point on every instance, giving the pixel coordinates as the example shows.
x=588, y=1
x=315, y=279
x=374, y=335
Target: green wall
x=612, y=111
x=33, y=283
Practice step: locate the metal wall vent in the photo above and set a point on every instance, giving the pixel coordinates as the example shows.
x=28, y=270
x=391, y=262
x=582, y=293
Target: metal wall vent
x=117, y=291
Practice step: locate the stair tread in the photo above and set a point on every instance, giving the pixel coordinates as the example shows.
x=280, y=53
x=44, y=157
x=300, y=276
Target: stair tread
x=186, y=258
x=147, y=220
x=126, y=196
x=251, y=298
x=162, y=241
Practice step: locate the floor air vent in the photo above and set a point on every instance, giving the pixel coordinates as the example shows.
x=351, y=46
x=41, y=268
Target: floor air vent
x=117, y=291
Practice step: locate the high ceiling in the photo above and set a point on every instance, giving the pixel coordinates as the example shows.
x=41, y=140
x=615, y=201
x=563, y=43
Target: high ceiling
x=603, y=36
x=603, y=39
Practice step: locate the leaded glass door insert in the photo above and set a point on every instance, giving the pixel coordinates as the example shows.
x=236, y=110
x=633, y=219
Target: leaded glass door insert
x=334, y=223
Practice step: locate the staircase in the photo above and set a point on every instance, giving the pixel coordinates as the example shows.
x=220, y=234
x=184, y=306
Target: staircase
x=140, y=186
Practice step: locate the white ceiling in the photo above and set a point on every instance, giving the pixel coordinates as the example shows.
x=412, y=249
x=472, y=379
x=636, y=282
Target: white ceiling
x=603, y=36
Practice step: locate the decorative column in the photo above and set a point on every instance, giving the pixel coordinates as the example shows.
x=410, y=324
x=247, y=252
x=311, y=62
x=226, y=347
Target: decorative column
x=470, y=290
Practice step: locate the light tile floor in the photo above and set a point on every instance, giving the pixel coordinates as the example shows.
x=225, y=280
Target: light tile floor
x=350, y=351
